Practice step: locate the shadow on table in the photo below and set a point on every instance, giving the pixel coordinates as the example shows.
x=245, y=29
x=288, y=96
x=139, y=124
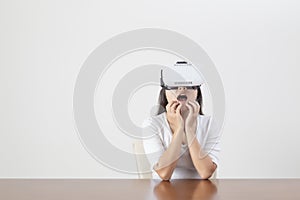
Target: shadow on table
x=185, y=189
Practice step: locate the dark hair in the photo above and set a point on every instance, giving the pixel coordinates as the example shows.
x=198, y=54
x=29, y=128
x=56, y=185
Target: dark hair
x=162, y=101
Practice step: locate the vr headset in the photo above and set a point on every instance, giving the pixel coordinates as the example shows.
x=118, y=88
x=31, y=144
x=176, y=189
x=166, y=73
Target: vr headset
x=181, y=74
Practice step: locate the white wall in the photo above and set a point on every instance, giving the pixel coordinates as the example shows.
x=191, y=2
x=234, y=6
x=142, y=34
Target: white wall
x=254, y=44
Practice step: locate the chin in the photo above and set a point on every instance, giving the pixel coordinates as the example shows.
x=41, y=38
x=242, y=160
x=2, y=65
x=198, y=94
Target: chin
x=183, y=108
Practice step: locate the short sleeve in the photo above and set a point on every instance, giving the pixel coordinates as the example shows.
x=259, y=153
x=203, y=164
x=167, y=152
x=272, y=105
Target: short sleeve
x=212, y=144
x=152, y=141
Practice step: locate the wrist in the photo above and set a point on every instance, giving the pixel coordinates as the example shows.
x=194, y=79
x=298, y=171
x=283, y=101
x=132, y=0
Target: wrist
x=190, y=131
x=190, y=138
x=179, y=131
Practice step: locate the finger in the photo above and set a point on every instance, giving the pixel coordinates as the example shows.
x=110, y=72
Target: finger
x=171, y=110
x=190, y=108
x=178, y=109
x=195, y=105
x=169, y=105
x=173, y=107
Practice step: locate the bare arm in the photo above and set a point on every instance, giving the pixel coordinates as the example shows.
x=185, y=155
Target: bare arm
x=168, y=161
x=202, y=162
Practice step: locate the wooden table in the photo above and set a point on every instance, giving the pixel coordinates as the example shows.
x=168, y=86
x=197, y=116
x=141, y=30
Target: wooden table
x=104, y=189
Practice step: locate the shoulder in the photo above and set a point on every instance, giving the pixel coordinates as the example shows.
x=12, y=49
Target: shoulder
x=204, y=117
x=204, y=120
x=207, y=122
x=152, y=129
x=207, y=119
x=156, y=120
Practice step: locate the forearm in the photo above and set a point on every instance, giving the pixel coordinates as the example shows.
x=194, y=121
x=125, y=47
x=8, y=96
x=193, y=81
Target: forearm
x=202, y=162
x=168, y=161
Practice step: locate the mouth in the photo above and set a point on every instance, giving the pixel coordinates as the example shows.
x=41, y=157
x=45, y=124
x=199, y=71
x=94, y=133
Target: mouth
x=182, y=97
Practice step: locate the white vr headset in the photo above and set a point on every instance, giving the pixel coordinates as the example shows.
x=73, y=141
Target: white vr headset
x=181, y=74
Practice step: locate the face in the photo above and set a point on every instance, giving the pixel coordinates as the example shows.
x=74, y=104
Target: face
x=172, y=95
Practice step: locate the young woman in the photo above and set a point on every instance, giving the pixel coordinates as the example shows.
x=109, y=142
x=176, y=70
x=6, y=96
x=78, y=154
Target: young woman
x=178, y=144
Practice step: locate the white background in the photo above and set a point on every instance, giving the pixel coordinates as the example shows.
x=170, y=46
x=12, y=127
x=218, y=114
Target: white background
x=254, y=44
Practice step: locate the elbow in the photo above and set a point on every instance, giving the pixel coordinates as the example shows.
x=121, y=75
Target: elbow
x=206, y=175
x=164, y=175
x=165, y=178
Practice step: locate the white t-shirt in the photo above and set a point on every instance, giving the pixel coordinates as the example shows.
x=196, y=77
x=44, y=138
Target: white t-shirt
x=158, y=136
